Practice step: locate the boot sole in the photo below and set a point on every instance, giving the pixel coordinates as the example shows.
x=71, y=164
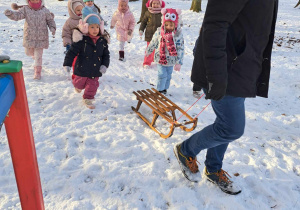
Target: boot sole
x=224, y=190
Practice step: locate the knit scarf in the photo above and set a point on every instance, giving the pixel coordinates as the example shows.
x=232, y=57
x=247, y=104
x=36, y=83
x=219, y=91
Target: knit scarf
x=154, y=10
x=35, y=6
x=94, y=38
x=166, y=41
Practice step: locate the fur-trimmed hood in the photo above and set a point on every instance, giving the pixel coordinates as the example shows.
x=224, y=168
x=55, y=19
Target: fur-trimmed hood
x=70, y=8
x=78, y=36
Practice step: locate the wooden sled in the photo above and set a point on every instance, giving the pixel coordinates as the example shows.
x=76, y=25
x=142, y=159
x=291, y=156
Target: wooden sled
x=163, y=107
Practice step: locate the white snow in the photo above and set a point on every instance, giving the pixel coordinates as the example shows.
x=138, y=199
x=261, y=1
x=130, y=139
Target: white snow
x=109, y=158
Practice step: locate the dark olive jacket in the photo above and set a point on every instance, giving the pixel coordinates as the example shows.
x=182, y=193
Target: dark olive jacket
x=235, y=46
x=151, y=22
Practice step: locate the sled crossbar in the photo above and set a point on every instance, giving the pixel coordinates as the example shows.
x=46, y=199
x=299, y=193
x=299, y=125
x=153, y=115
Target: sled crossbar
x=163, y=107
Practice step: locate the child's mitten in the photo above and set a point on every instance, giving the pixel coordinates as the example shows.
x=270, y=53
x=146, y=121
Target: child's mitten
x=67, y=48
x=67, y=69
x=103, y=69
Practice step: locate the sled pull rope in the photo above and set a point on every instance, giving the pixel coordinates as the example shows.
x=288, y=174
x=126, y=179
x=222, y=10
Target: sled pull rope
x=202, y=110
x=191, y=107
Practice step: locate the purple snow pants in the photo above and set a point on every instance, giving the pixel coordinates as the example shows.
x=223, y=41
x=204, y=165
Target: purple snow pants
x=90, y=85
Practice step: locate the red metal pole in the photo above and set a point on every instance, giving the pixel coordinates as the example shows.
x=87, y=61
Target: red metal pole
x=22, y=148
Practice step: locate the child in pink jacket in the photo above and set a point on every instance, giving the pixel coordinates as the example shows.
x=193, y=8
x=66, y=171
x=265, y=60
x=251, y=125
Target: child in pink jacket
x=124, y=21
x=37, y=20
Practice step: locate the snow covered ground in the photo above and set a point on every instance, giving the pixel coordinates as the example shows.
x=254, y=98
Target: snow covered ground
x=108, y=158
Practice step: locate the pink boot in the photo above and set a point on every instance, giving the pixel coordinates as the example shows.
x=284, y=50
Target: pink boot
x=37, y=72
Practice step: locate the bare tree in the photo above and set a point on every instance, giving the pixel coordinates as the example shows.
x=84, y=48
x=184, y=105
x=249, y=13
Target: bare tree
x=196, y=6
x=297, y=4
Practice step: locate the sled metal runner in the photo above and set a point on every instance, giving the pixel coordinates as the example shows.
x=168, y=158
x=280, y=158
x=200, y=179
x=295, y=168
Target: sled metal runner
x=163, y=107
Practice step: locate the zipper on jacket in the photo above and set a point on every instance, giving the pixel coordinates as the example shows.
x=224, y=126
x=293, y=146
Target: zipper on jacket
x=84, y=46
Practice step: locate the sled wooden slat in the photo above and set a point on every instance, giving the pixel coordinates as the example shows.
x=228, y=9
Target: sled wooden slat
x=163, y=107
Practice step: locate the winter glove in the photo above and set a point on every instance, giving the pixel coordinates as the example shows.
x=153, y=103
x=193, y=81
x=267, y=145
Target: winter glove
x=103, y=69
x=177, y=67
x=67, y=48
x=8, y=12
x=67, y=69
x=216, y=91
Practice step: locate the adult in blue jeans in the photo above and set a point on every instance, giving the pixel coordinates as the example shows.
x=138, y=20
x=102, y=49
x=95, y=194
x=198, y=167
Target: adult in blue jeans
x=232, y=62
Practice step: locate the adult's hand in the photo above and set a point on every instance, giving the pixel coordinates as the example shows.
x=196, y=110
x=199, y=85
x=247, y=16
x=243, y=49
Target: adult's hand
x=216, y=91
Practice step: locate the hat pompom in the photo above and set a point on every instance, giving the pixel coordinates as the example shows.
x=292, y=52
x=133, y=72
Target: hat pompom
x=14, y=6
x=178, y=11
x=163, y=4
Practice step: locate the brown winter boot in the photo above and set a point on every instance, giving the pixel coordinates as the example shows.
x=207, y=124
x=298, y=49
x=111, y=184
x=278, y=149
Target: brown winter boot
x=121, y=56
x=37, y=72
x=89, y=103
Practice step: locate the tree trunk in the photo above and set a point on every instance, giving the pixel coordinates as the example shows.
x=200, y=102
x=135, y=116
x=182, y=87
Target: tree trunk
x=196, y=6
x=297, y=4
x=144, y=9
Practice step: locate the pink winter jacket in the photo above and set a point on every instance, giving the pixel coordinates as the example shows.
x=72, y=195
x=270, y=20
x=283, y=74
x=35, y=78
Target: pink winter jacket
x=71, y=23
x=123, y=23
x=35, y=26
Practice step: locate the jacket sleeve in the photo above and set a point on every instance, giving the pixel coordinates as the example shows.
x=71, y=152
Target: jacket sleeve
x=218, y=17
x=114, y=19
x=18, y=15
x=180, y=48
x=154, y=42
x=144, y=22
x=131, y=23
x=67, y=34
x=106, y=55
x=72, y=53
x=50, y=20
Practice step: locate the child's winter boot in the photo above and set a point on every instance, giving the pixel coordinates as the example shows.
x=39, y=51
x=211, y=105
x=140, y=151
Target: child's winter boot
x=121, y=56
x=77, y=90
x=37, y=72
x=89, y=103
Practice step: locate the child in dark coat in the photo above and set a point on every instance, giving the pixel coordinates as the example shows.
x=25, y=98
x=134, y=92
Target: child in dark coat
x=93, y=57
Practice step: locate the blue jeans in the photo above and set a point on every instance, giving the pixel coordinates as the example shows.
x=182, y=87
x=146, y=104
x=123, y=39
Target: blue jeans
x=164, y=77
x=228, y=126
